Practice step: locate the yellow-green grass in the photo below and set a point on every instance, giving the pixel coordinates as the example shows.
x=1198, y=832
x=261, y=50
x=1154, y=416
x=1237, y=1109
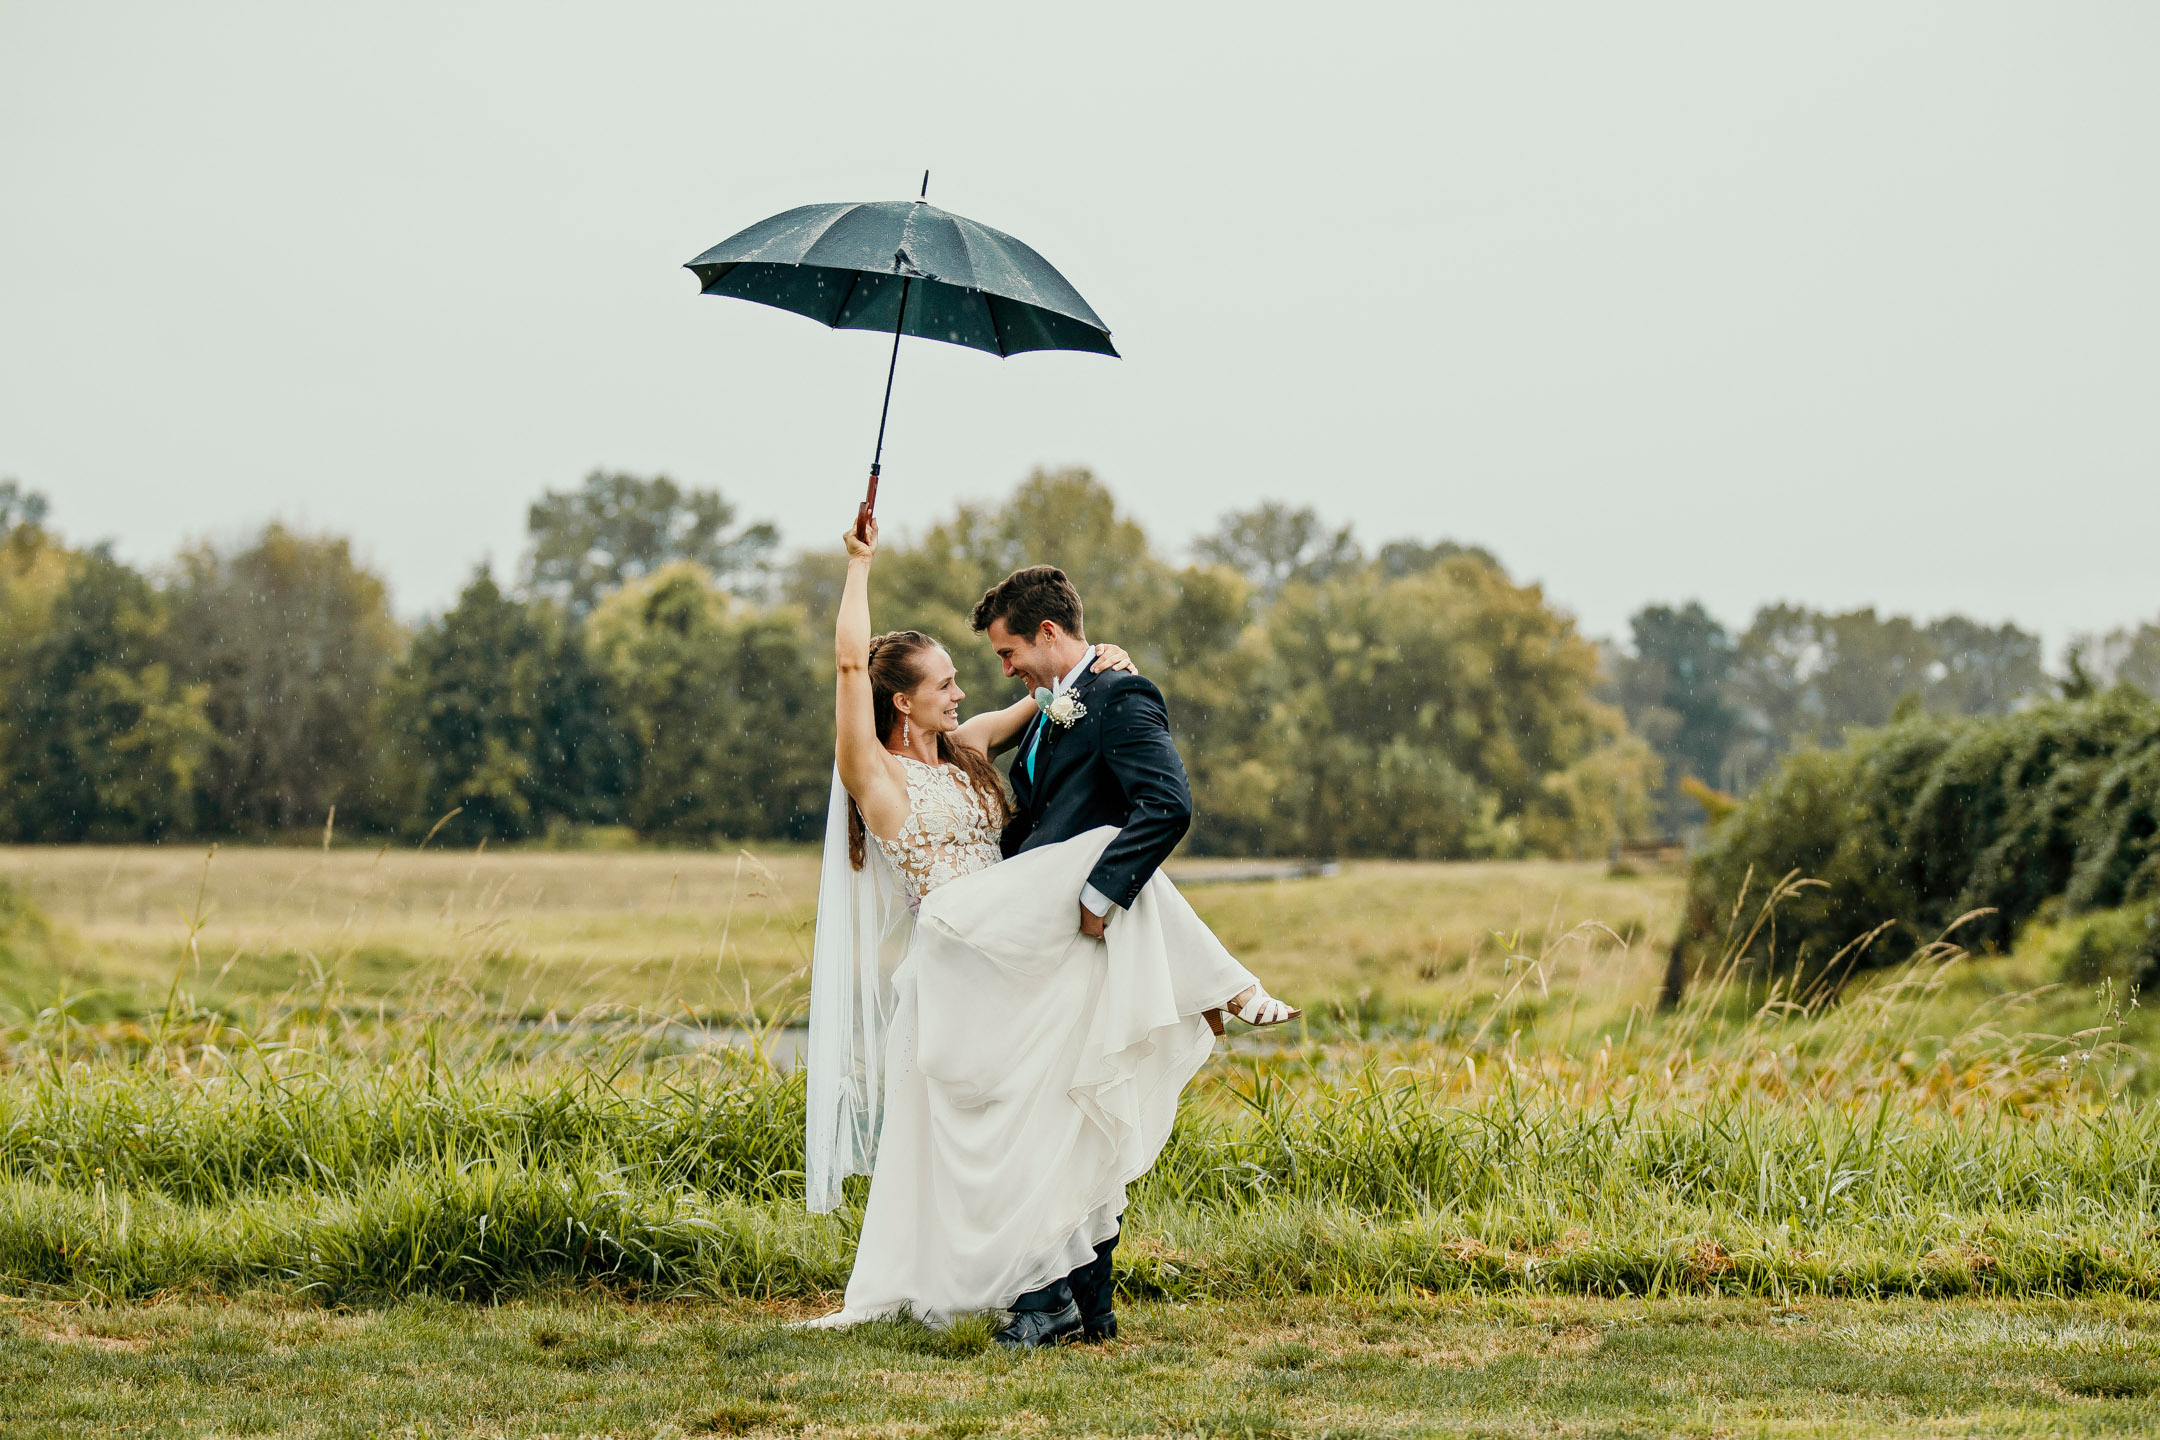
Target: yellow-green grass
x=525, y=932
x=1384, y=938
x=529, y=932
x=567, y=1365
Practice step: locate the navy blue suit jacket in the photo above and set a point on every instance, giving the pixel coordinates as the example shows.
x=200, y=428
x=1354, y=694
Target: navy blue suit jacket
x=1115, y=765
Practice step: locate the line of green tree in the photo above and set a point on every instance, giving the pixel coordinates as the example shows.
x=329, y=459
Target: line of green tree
x=658, y=667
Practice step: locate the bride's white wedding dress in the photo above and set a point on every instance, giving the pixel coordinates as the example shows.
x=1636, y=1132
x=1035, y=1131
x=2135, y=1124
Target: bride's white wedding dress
x=1001, y=1076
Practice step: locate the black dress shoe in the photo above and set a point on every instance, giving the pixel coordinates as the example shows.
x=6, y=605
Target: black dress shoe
x=1031, y=1329
x=1097, y=1328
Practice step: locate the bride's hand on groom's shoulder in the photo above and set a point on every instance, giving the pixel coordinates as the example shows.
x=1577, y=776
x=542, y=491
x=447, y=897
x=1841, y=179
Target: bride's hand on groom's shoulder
x=860, y=549
x=1111, y=657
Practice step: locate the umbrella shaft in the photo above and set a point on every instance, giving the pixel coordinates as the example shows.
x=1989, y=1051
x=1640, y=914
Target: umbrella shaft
x=890, y=367
x=877, y=458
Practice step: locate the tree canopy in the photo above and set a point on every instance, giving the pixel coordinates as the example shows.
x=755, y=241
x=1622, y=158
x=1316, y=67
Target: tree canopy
x=1726, y=709
x=617, y=527
x=290, y=640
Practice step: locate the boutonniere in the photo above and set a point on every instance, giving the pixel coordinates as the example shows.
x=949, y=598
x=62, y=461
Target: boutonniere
x=1063, y=709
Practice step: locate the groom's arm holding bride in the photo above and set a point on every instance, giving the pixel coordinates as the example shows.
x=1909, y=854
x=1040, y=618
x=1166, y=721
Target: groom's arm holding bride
x=1138, y=751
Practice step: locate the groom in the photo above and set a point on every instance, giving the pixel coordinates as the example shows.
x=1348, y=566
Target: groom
x=1099, y=753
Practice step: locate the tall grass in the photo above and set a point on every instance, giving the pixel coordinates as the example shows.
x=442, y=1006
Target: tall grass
x=1907, y=1137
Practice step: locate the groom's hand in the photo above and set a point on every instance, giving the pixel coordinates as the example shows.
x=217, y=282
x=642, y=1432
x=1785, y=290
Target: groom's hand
x=1091, y=924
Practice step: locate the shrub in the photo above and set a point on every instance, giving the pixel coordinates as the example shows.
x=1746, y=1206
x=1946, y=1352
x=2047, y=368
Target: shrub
x=2118, y=944
x=1930, y=819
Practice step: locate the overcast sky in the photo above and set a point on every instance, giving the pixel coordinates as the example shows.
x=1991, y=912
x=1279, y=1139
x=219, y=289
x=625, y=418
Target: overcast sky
x=1835, y=303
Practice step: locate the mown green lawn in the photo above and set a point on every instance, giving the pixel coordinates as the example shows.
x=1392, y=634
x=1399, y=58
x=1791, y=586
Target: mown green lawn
x=1264, y=1368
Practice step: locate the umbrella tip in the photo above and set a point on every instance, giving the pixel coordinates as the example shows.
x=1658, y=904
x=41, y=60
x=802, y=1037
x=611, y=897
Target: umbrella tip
x=925, y=186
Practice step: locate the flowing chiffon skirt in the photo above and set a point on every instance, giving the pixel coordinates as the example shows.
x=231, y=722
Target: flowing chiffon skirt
x=1032, y=1074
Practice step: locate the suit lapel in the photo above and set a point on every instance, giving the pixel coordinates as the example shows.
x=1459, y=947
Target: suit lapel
x=1039, y=788
x=1031, y=742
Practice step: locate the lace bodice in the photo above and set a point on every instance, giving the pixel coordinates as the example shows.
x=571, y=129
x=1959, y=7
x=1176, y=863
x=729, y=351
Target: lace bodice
x=950, y=830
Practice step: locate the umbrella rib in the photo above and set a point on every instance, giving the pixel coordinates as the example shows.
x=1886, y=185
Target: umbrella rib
x=855, y=278
x=967, y=249
x=832, y=222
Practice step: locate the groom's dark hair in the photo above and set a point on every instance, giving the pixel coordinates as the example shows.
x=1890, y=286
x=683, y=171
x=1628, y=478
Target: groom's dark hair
x=1026, y=598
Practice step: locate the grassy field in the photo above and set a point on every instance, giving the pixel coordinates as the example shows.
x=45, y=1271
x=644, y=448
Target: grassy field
x=531, y=932
x=278, y=1126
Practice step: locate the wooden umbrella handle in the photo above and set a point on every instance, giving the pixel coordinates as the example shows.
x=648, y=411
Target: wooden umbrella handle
x=867, y=511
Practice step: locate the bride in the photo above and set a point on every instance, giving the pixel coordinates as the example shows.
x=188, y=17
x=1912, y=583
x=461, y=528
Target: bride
x=1001, y=1076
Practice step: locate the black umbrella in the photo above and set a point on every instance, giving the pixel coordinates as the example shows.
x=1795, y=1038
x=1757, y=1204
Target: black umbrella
x=908, y=267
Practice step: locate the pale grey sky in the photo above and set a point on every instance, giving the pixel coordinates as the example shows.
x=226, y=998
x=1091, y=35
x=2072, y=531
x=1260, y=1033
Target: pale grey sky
x=1838, y=303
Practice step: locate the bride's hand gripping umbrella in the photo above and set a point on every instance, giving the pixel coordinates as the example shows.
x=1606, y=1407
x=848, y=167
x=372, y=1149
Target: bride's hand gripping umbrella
x=908, y=267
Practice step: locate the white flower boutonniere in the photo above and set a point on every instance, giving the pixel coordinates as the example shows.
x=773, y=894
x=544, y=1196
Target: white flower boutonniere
x=1064, y=709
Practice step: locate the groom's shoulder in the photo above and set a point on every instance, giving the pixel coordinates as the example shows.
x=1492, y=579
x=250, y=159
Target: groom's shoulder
x=1115, y=686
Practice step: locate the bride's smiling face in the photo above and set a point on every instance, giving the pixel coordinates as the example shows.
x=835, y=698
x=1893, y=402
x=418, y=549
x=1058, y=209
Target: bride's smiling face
x=934, y=702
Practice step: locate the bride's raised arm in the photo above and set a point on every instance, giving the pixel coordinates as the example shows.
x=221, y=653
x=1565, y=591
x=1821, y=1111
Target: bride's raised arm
x=995, y=731
x=866, y=766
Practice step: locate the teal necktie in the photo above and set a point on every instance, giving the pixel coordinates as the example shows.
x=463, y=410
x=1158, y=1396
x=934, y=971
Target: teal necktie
x=1043, y=696
x=1042, y=723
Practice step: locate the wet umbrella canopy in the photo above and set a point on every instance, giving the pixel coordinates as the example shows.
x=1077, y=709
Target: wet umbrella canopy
x=907, y=268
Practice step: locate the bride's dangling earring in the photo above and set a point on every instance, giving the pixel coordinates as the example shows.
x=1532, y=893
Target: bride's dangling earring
x=904, y=732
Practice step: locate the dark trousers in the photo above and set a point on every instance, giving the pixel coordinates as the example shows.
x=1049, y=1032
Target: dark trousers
x=1092, y=1285
x=1089, y=1287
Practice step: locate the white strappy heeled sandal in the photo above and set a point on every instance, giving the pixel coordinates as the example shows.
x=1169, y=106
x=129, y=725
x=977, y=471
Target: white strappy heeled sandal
x=1259, y=1010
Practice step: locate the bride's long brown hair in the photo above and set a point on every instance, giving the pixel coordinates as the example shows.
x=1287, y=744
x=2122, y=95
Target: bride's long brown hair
x=896, y=668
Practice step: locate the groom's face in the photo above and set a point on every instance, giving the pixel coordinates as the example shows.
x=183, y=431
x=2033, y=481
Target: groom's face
x=1026, y=657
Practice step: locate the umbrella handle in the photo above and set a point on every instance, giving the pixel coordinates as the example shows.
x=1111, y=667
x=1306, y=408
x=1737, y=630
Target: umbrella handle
x=867, y=511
